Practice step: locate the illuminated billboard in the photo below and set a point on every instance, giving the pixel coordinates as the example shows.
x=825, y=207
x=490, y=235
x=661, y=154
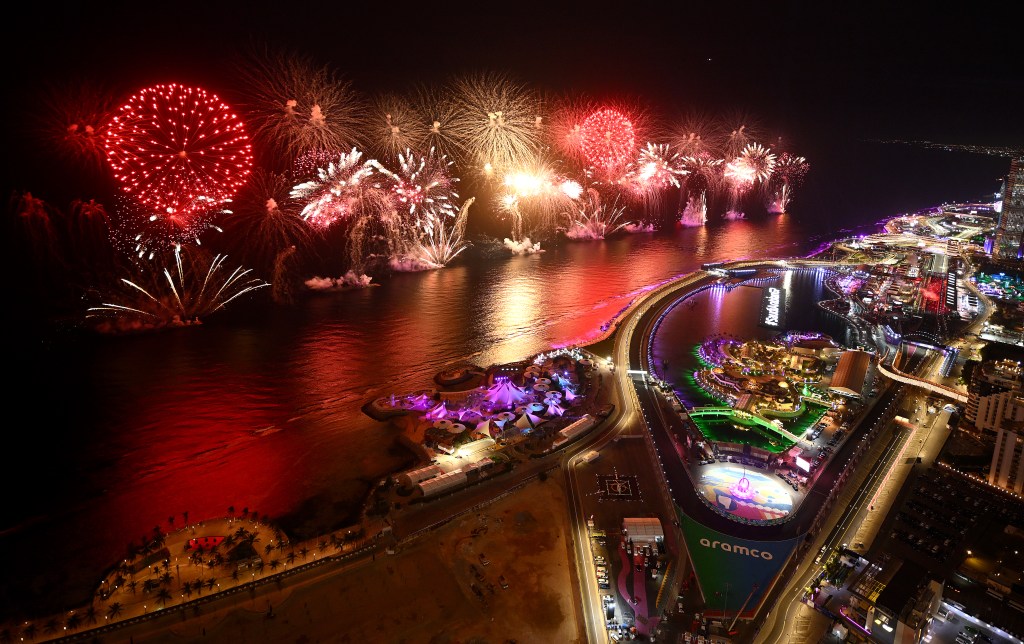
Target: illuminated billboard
x=773, y=307
x=802, y=464
x=734, y=574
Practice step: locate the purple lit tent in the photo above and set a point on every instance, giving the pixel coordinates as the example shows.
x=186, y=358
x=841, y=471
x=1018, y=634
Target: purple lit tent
x=504, y=394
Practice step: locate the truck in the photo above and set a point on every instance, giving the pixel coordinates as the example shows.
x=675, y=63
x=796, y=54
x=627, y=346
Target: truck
x=591, y=456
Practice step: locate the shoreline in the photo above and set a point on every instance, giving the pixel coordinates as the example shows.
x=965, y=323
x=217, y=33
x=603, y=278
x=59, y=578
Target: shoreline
x=302, y=515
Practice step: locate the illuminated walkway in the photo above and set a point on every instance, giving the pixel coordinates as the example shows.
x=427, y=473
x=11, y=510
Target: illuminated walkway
x=895, y=374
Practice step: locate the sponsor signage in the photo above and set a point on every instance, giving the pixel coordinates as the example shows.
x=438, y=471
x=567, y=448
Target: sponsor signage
x=734, y=574
x=773, y=307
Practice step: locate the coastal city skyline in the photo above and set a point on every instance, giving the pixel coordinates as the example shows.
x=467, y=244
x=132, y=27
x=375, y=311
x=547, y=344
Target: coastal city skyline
x=366, y=325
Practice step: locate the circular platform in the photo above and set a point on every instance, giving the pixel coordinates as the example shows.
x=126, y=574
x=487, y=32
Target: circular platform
x=747, y=496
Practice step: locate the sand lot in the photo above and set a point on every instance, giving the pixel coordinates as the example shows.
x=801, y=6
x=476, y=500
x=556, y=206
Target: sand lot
x=428, y=591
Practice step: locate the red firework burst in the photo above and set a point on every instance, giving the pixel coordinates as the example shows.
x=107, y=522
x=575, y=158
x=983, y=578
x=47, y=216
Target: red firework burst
x=608, y=139
x=178, y=151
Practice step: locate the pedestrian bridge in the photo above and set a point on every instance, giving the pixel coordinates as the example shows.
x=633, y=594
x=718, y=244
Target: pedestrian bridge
x=894, y=373
x=741, y=417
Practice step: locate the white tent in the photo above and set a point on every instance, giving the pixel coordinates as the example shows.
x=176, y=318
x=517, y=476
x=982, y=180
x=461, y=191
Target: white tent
x=529, y=421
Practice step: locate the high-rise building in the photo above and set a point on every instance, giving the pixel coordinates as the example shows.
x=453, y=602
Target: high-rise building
x=994, y=397
x=1009, y=237
x=1007, y=469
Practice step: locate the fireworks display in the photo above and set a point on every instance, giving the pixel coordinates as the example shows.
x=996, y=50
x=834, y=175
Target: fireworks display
x=179, y=151
x=185, y=164
x=758, y=161
x=495, y=122
x=608, y=140
x=535, y=195
x=295, y=106
x=193, y=287
x=790, y=171
x=423, y=188
x=266, y=220
x=74, y=122
x=336, y=191
x=394, y=126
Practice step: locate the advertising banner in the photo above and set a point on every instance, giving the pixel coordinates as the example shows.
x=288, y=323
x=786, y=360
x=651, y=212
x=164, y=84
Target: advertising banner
x=734, y=574
x=773, y=307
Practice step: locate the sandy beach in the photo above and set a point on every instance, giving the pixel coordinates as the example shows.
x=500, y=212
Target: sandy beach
x=428, y=591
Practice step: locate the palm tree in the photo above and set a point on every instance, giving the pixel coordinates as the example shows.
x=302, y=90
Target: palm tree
x=185, y=516
x=231, y=510
x=259, y=566
x=133, y=585
x=163, y=596
x=187, y=589
x=210, y=583
x=150, y=585
x=274, y=563
x=166, y=578
x=114, y=610
x=170, y=520
x=234, y=574
x=267, y=549
x=303, y=551
x=290, y=558
x=74, y=621
x=90, y=614
x=321, y=545
x=29, y=631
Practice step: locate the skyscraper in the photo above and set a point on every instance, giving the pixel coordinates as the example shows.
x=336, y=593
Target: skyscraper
x=1009, y=238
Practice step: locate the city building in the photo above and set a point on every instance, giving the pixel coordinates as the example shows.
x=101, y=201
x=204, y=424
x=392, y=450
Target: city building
x=1007, y=469
x=643, y=531
x=995, y=398
x=896, y=596
x=1009, y=238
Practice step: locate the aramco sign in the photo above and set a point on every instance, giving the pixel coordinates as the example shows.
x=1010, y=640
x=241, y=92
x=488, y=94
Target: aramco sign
x=734, y=574
x=773, y=307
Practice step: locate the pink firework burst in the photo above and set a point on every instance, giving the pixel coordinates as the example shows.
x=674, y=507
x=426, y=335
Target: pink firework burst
x=608, y=140
x=178, y=151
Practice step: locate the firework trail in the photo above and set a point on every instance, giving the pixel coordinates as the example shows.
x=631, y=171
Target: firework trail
x=790, y=171
x=423, y=188
x=143, y=234
x=89, y=228
x=439, y=115
x=655, y=171
x=753, y=167
x=699, y=140
x=337, y=191
x=73, y=121
x=395, y=126
x=35, y=226
x=282, y=289
x=534, y=197
x=701, y=172
x=265, y=220
x=194, y=286
x=495, y=122
x=594, y=219
x=441, y=247
x=295, y=106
